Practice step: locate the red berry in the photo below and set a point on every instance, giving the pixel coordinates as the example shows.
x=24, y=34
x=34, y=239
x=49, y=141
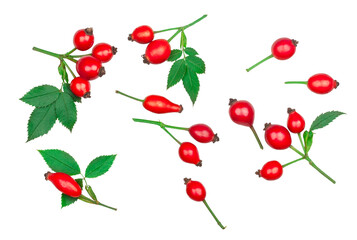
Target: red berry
x=241, y=112
x=203, y=133
x=195, y=190
x=89, y=68
x=83, y=39
x=103, y=52
x=188, y=153
x=80, y=87
x=142, y=34
x=296, y=122
x=65, y=183
x=277, y=136
x=159, y=104
x=271, y=171
x=283, y=48
x=157, y=51
x=321, y=83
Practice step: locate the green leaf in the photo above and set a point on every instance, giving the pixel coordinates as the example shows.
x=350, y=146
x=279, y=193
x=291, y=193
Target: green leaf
x=308, y=135
x=99, y=166
x=67, y=89
x=41, y=96
x=176, y=73
x=60, y=161
x=62, y=71
x=324, y=119
x=191, y=84
x=196, y=64
x=41, y=121
x=80, y=182
x=190, y=51
x=183, y=42
x=175, y=54
x=67, y=200
x=66, y=110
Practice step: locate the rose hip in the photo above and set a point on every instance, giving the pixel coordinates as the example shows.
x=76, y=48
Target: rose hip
x=203, y=133
x=80, y=87
x=271, y=170
x=104, y=52
x=296, y=122
x=83, y=39
x=158, y=51
x=188, y=153
x=89, y=68
x=143, y=34
x=277, y=136
x=319, y=83
x=64, y=183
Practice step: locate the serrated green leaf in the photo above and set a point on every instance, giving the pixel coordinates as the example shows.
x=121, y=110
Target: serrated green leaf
x=60, y=161
x=80, y=182
x=183, y=42
x=191, y=84
x=66, y=110
x=62, y=71
x=41, y=96
x=67, y=200
x=324, y=119
x=67, y=89
x=175, y=54
x=177, y=71
x=190, y=51
x=308, y=136
x=41, y=121
x=99, y=166
x=196, y=64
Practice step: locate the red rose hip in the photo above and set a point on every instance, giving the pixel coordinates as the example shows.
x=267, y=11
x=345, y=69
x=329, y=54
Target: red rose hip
x=80, y=87
x=103, y=52
x=203, y=133
x=64, y=183
x=296, y=122
x=143, y=34
x=188, y=153
x=271, y=170
x=89, y=68
x=319, y=83
x=158, y=51
x=83, y=39
x=277, y=136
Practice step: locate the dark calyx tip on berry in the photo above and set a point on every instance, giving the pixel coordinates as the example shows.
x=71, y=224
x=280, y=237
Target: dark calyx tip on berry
x=290, y=110
x=199, y=164
x=114, y=50
x=130, y=38
x=266, y=126
x=47, y=174
x=258, y=173
x=145, y=60
x=87, y=95
x=181, y=109
x=336, y=84
x=186, y=180
x=89, y=31
x=295, y=42
x=101, y=71
x=215, y=138
x=231, y=101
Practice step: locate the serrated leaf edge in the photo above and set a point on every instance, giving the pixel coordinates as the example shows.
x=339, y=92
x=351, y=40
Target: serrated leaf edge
x=114, y=155
x=333, y=111
x=40, y=151
x=21, y=99
x=28, y=137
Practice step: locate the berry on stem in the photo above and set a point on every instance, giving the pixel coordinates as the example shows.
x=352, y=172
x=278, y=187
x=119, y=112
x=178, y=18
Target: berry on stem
x=271, y=170
x=242, y=113
x=277, y=136
x=296, y=122
x=319, y=83
x=83, y=39
x=203, y=133
x=188, y=153
x=80, y=87
x=104, y=52
x=89, y=68
x=143, y=34
x=158, y=51
x=197, y=192
x=282, y=49
x=64, y=183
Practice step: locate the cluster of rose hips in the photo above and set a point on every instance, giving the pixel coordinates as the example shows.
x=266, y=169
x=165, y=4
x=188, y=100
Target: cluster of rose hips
x=89, y=67
x=283, y=49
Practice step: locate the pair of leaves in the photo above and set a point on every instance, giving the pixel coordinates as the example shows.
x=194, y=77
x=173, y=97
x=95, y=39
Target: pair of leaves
x=50, y=104
x=186, y=69
x=62, y=71
x=60, y=161
x=321, y=121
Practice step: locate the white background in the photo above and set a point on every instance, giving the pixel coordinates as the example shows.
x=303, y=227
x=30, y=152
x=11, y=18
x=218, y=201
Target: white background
x=145, y=182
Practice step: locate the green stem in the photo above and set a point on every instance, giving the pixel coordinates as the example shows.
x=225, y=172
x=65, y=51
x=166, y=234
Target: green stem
x=159, y=124
x=258, y=63
x=287, y=164
x=170, y=135
x=256, y=137
x=165, y=30
x=46, y=52
x=297, y=151
x=184, y=27
x=74, y=76
x=319, y=170
x=173, y=36
x=214, y=216
x=296, y=82
x=68, y=53
x=302, y=143
x=88, y=200
x=78, y=56
x=126, y=95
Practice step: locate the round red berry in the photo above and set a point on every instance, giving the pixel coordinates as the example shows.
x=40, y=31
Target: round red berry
x=103, y=52
x=241, y=112
x=296, y=122
x=188, y=153
x=271, y=170
x=203, y=133
x=277, y=136
x=321, y=83
x=80, y=87
x=195, y=190
x=158, y=51
x=284, y=48
x=83, y=39
x=142, y=34
x=89, y=68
